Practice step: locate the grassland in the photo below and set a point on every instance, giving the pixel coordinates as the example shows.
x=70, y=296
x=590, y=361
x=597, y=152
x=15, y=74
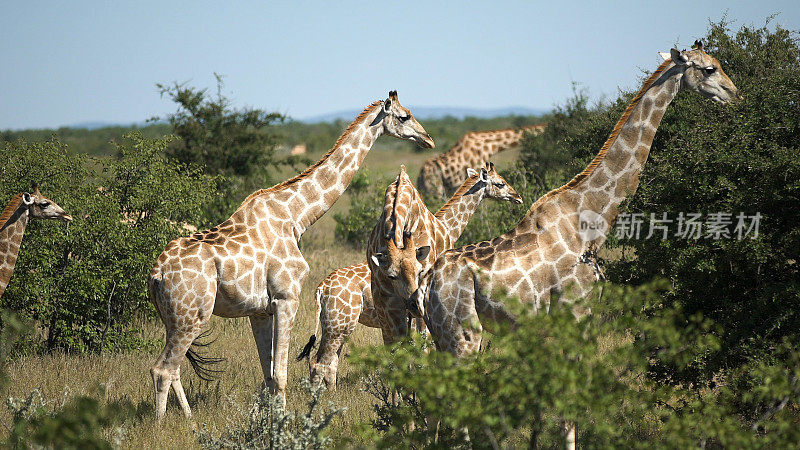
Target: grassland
x=125, y=376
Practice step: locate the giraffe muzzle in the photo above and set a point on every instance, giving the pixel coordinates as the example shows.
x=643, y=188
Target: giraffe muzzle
x=414, y=304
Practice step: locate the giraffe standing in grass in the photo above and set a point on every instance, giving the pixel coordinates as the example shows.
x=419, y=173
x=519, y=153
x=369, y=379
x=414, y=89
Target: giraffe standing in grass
x=13, y=221
x=344, y=298
x=444, y=173
x=544, y=253
x=251, y=265
x=407, y=239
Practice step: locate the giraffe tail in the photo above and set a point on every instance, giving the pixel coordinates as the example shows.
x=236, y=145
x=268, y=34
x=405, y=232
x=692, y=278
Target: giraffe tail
x=306, y=353
x=202, y=363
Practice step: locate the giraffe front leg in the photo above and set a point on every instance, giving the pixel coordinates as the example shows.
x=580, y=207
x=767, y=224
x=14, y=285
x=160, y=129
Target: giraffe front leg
x=263, y=333
x=285, y=311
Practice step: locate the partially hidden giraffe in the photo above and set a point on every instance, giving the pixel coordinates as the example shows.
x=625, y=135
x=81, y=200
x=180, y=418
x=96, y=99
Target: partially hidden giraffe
x=444, y=173
x=551, y=248
x=13, y=221
x=406, y=241
x=344, y=297
x=251, y=266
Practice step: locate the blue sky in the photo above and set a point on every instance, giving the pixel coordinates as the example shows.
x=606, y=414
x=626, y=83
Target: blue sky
x=78, y=61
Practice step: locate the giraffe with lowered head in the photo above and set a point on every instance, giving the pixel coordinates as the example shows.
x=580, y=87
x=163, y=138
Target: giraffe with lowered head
x=444, y=173
x=13, y=221
x=344, y=298
x=250, y=265
x=408, y=238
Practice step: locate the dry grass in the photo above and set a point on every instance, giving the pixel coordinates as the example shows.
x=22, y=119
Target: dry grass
x=126, y=376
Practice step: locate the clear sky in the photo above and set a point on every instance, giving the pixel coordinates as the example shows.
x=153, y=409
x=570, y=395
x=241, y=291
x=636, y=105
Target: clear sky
x=66, y=62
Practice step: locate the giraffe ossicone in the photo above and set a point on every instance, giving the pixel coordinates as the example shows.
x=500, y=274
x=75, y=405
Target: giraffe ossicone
x=251, y=266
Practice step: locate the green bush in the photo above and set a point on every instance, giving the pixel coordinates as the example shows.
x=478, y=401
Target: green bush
x=238, y=144
x=708, y=158
x=592, y=372
x=84, y=283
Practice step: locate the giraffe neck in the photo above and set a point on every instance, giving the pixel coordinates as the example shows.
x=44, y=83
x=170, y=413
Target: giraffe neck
x=312, y=193
x=614, y=173
x=10, y=240
x=457, y=212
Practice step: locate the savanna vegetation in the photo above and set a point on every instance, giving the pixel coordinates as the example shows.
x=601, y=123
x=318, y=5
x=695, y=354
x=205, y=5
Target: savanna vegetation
x=693, y=343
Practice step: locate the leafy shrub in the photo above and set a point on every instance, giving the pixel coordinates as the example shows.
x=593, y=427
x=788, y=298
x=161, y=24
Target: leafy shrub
x=78, y=422
x=592, y=372
x=239, y=144
x=84, y=283
x=708, y=158
x=267, y=424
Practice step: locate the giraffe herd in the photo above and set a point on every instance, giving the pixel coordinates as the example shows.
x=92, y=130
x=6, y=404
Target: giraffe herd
x=251, y=265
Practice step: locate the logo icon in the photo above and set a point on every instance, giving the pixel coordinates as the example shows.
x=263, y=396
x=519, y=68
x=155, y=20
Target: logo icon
x=591, y=225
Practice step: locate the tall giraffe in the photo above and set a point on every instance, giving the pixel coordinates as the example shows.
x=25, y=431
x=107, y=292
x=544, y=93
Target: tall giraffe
x=344, y=297
x=13, y=221
x=251, y=265
x=405, y=242
x=443, y=174
x=550, y=248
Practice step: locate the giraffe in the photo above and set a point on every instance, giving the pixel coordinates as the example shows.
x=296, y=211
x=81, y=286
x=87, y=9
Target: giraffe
x=406, y=241
x=13, y=221
x=344, y=297
x=251, y=266
x=552, y=246
x=443, y=174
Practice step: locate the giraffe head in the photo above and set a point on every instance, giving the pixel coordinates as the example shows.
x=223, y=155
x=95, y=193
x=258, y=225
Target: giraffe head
x=398, y=121
x=401, y=265
x=703, y=74
x=41, y=207
x=496, y=187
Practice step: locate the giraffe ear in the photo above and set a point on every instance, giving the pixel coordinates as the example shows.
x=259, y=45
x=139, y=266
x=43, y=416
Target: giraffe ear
x=381, y=114
x=422, y=252
x=678, y=57
x=664, y=55
x=471, y=172
x=27, y=199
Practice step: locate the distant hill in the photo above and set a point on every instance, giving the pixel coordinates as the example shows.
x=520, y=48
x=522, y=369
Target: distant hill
x=437, y=112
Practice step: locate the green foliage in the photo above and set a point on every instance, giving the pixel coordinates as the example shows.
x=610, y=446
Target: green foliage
x=96, y=142
x=84, y=283
x=79, y=422
x=592, y=372
x=709, y=158
x=366, y=194
x=267, y=424
x=239, y=144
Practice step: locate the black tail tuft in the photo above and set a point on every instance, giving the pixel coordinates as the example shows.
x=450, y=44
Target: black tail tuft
x=200, y=363
x=306, y=353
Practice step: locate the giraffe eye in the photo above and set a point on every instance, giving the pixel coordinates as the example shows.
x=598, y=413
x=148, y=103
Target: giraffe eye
x=499, y=184
x=709, y=70
x=44, y=204
x=404, y=118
